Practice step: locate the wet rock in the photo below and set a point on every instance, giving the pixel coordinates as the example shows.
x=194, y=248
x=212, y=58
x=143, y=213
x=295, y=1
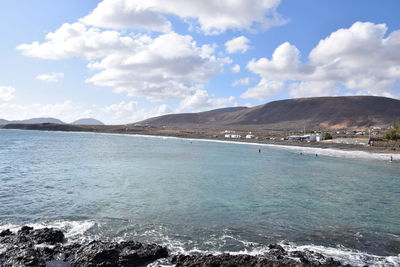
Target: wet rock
x=5, y=233
x=47, y=235
x=25, y=229
x=226, y=260
x=21, y=257
x=22, y=249
x=103, y=254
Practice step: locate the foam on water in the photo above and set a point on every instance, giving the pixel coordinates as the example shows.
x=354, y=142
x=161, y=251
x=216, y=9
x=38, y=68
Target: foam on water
x=73, y=230
x=77, y=231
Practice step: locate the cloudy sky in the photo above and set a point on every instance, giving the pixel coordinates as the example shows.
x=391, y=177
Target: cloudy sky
x=122, y=61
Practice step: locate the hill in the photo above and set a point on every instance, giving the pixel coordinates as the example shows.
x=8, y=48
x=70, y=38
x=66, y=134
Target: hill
x=87, y=121
x=33, y=121
x=316, y=112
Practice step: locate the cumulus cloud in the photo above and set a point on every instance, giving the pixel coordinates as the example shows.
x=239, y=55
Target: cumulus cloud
x=361, y=59
x=129, y=112
x=242, y=82
x=238, y=44
x=168, y=66
x=118, y=14
x=235, y=68
x=78, y=40
x=201, y=100
x=64, y=111
x=211, y=17
x=7, y=93
x=50, y=77
x=120, y=113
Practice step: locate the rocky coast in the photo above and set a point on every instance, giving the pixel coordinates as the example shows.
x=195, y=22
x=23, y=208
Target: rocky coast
x=49, y=247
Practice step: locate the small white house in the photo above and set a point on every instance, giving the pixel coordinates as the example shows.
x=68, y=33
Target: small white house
x=250, y=136
x=233, y=136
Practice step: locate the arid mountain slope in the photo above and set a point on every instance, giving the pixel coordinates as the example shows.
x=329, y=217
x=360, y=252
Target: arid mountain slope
x=317, y=112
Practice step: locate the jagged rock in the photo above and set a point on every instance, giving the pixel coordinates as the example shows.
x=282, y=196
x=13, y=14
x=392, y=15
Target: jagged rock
x=48, y=235
x=25, y=229
x=21, y=250
x=226, y=260
x=98, y=253
x=22, y=257
x=5, y=233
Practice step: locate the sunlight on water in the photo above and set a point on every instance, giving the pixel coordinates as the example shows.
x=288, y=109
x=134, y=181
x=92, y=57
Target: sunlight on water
x=199, y=196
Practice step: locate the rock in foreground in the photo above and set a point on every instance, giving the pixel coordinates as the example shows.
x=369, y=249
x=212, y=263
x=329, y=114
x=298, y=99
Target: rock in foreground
x=21, y=249
x=47, y=247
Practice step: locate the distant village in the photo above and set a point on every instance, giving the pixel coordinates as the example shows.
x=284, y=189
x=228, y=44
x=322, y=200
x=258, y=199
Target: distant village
x=368, y=137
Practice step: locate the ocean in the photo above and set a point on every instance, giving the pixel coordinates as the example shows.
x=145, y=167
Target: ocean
x=199, y=196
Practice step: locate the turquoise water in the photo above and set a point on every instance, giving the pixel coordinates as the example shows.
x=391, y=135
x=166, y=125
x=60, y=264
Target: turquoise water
x=195, y=195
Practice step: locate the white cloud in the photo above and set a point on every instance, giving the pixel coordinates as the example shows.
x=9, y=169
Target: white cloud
x=360, y=59
x=7, y=93
x=63, y=111
x=67, y=111
x=168, y=66
x=127, y=14
x=211, y=17
x=238, y=44
x=264, y=89
x=235, y=68
x=77, y=40
x=313, y=89
x=129, y=112
x=50, y=77
x=242, y=82
x=201, y=100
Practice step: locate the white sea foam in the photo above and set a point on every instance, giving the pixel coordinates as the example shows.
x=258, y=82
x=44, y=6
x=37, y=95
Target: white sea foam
x=76, y=231
x=347, y=256
x=73, y=230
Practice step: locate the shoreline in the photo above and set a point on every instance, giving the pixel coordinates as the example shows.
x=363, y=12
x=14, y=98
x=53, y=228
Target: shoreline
x=52, y=246
x=317, y=148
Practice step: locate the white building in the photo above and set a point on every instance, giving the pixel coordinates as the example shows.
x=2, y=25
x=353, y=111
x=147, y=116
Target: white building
x=233, y=136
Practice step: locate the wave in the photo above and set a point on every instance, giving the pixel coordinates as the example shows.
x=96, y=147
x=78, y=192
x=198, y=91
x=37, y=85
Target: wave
x=80, y=232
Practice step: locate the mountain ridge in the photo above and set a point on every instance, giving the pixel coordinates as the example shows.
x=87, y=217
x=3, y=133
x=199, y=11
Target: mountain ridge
x=315, y=112
x=84, y=121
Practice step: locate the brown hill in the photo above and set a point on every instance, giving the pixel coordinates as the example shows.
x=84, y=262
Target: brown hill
x=317, y=112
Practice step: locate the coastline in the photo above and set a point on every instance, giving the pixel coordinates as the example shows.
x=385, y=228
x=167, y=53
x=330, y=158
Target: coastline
x=54, y=245
x=311, y=148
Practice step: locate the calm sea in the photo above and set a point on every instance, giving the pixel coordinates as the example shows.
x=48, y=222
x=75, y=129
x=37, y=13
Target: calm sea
x=200, y=196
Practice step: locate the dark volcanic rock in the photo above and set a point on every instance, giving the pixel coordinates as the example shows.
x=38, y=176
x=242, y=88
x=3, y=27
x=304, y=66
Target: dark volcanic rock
x=5, y=233
x=226, y=260
x=23, y=256
x=47, y=235
x=98, y=253
x=21, y=250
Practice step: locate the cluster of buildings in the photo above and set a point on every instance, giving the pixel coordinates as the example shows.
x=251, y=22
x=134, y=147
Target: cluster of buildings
x=233, y=135
x=307, y=137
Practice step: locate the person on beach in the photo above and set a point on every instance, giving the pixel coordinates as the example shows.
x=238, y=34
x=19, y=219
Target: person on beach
x=316, y=155
x=391, y=158
x=259, y=150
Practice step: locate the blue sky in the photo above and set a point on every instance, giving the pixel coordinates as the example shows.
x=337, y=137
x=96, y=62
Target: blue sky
x=122, y=61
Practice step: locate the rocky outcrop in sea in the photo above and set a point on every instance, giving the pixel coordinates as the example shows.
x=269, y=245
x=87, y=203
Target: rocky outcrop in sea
x=48, y=247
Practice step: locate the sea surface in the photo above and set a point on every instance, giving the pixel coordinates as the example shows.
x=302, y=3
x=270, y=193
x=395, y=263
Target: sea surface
x=193, y=195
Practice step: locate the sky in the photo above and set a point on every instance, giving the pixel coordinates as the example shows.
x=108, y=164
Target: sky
x=122, y=61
